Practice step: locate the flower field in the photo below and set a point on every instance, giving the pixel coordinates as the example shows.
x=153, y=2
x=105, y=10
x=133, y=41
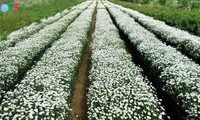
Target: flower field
x=133, y=59
x=117, y=98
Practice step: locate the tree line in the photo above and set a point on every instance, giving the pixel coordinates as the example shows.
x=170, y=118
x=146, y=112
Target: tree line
x=183, y=4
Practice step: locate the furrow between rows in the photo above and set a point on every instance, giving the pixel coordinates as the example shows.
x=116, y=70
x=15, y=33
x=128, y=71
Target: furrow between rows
x=78, y=106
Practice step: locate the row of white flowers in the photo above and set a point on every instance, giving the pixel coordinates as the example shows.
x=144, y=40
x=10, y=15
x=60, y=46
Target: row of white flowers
x=44, y=92
x=180, y=74
x=27, y=31
x=181, y=39
x=16, y=60
x=59, y=15
x=20, y=35
x=118, y=90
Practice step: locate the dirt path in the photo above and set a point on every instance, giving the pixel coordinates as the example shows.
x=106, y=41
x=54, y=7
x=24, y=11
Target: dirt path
x=79, y=99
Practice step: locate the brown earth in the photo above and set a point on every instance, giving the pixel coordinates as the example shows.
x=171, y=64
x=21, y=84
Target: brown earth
x=79, y=98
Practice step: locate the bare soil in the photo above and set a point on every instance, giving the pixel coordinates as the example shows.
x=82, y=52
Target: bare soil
x=79, y=98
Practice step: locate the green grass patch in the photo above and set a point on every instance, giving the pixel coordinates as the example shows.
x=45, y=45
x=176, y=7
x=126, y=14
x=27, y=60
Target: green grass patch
x=11, y=21
x=182, y=19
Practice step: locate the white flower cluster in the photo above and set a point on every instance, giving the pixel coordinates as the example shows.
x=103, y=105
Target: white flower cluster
x=52, y=19
x=118, y=89
x=20, y=35
x=16, y=60
x=181, y=39
x=184, y=81
x=27, y=31
x=180, y=75
x=44, y=92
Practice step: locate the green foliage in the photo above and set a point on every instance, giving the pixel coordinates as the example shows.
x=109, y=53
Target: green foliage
x=182, y=4
x=138, y=1
x=3, y=36
x=182, y=19
x=11, y=21
x=185, y=4
x=162, y=2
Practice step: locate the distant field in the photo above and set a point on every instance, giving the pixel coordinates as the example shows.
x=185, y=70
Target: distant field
x=30, y=12
x=23, y=1
x=180, y=4
x=30, y=2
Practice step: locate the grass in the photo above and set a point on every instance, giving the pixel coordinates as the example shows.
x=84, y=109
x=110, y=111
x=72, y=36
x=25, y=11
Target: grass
x=11, y=21
x=182, y=19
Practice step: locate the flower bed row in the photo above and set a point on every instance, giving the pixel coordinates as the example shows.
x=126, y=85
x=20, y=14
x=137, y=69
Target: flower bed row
x=26, y=32
x=20, y=34
x=44, y=92
x=183, y=40
x=15, y=61
x=181, y=76
x=59, y=15
x=118, y=90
